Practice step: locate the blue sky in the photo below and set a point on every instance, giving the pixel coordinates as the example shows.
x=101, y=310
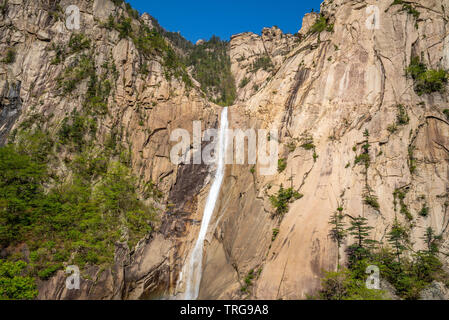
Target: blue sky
x=200, y=19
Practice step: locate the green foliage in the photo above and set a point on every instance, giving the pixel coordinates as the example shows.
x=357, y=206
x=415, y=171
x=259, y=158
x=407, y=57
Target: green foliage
x=411, y=159
x=432, y=240
x=400, y=194
x=73, y=130
x=411, y=275
x=97, y=95
x=212, y=68
x=363, y=158
x=21, y=181
x=116, y=196
x=398, y=238
x=82, y=68
x=274, y=234
x=360, y=230
x=392, y=128
x=424, y=212
x=86, y=214
x=248, y=281
x=291, y=146
x=10, y=56
x=408, y=273
x=402, y=115
x=281, y=200
x=13, y=284
x=282, y=164
x=264, y=62
x=347, y=285
x=244, y=82
x=308, y=145
x=124, y=27
x=78, y=42
x=337, y=232
x=427, y=80
x=59, y=54
x=407, y=7
x=372, y=201
x=321, y=24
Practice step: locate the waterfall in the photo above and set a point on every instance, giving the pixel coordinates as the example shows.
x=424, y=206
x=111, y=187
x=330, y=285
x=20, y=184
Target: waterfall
x=193, y=277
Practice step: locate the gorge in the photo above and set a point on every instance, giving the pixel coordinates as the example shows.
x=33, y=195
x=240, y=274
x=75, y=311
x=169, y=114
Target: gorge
x=359, y=99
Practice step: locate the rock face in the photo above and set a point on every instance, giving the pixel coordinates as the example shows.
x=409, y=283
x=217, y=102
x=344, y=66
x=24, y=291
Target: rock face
x=308, y=21
x=249, y=48
x=10, y=106
x=143, y=109
x=328, y=88
x=436, y=291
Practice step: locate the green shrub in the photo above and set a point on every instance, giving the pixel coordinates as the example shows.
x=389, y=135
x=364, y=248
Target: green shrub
x=10, y=56
x=281, y=200
x=248, y=281
x=424, y=212
x=83, y=68
x=346, y=285
x=392, y=128
x=402, y=116
x=124, y=27
x=264, y=62
x=426, y=81
x=400, y=194
x=411, y=159
x=73, y=130
x=244, y=82
x=78, y=42
x=275, y=234
x=49, y=270
x=13, y=285
x=291, y=146
x=372, y=202
x=321, y=24
x=407, y=7
x=308, y=145
x=282, y=164
x=364, y=158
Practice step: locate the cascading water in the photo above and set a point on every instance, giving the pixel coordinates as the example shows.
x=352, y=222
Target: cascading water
x=193, y=277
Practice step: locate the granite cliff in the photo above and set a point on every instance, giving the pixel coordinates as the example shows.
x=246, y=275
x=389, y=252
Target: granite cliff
x=362, y=127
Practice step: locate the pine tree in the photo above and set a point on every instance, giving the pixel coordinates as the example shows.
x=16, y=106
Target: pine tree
x=360, y=229
x=338, y=233
x=398, y=237
x=432, y=240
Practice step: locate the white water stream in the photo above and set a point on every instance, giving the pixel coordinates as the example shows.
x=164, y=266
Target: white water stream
x=195, y=264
